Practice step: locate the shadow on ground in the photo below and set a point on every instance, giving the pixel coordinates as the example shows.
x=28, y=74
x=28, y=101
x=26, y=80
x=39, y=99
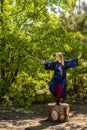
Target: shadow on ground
x=12, y=119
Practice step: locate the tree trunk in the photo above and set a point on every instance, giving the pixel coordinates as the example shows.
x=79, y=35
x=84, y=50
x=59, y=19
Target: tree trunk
x=2, y=38
x=59, y=113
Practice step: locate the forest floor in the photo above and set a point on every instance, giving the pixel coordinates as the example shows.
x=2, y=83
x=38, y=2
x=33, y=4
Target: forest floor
x=34, y=118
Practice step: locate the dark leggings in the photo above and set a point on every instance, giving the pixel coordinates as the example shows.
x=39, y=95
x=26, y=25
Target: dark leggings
x=57, y=92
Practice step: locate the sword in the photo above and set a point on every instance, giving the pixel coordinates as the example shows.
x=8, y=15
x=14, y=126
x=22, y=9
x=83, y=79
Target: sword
x=33, y=57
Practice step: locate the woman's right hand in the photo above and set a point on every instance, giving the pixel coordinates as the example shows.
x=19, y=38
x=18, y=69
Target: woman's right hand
x=43, y=62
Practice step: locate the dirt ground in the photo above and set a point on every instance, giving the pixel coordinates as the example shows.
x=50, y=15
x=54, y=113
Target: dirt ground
x=19, y=119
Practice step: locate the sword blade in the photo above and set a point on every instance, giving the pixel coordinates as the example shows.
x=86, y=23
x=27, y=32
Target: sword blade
x=34, y=58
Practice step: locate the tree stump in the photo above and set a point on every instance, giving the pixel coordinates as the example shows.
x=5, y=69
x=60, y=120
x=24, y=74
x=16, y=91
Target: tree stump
x=58, y=113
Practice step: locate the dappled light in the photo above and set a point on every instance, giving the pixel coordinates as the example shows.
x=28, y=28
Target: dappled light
x=32, y=32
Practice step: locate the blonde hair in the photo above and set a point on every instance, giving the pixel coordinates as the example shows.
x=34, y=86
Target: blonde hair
x=62, y=59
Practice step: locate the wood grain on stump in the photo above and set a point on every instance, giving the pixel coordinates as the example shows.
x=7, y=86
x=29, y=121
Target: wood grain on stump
x=58, y=113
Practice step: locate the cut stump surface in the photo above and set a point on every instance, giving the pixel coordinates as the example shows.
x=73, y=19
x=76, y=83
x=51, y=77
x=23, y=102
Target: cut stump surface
x=58, y=113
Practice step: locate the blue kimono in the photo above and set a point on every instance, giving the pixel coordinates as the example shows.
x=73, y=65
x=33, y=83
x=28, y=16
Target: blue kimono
x=58, y=82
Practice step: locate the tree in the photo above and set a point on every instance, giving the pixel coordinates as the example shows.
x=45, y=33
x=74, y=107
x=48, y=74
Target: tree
x=28, y=27
x=76, y=25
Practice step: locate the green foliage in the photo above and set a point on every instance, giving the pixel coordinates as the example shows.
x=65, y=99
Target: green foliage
x=27, y=27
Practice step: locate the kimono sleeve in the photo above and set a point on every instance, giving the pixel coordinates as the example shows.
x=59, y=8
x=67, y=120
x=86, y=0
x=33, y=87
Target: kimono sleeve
x=71, y=63
x=49, y=65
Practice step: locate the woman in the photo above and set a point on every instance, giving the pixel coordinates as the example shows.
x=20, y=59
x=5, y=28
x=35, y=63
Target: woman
x=57, y=84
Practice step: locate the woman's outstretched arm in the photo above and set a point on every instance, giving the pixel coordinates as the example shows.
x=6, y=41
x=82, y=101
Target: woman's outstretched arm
x=49, y=65
x=73, y=62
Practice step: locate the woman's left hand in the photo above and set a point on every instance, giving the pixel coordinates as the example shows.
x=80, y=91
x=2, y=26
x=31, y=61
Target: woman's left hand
x=80, y=55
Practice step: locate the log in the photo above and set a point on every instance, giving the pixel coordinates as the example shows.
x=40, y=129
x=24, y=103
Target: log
x=59, y=113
